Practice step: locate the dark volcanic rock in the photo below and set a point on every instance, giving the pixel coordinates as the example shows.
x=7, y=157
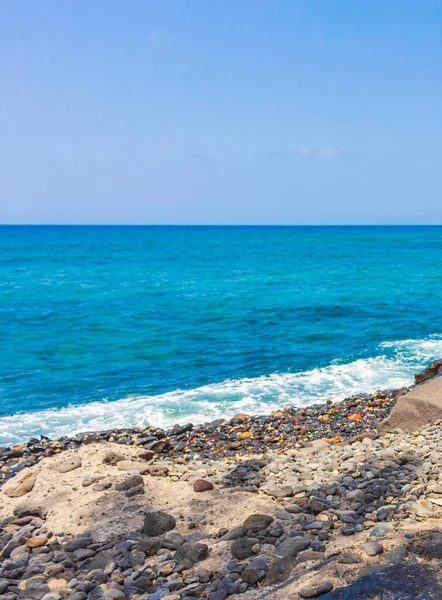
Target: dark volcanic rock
x=403, y=581
x=431, y=371
x=258, y=522
x=157, y=522
x=291, y=547
x=193, y=552
x=242, y=548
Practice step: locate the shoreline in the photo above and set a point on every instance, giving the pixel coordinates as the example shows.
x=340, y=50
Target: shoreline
x=317, y=502
x=256, y=434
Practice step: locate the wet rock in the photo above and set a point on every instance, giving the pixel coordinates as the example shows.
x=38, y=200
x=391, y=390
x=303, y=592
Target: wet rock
x=157, y=522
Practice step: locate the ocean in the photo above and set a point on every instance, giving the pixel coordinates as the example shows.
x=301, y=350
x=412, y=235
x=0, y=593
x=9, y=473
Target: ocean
x=104, y=327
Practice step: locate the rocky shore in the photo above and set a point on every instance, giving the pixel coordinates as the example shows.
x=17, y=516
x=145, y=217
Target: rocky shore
x=322, y=502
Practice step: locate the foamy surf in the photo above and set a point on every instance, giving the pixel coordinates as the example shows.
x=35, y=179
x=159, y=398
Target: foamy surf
x=393, y=367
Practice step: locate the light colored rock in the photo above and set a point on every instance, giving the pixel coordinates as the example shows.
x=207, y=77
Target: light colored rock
x=68, y=463
x=133, y=465
x=20, y=486
x=419, y=407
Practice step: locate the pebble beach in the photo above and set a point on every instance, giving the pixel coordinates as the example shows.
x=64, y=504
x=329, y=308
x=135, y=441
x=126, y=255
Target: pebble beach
x=302, y=503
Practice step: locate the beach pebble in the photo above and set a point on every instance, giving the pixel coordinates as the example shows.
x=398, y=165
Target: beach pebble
x=291, y=547
x=157, y=522
x=202, y=485
x=243, y=548
x=315, y=588
x=372, y=548
x=257, y=522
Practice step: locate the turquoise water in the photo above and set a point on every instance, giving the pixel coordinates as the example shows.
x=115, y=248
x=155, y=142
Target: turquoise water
x=120, y=326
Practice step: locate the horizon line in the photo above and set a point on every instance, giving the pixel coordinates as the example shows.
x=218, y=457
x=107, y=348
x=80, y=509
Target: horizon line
x=221, y=225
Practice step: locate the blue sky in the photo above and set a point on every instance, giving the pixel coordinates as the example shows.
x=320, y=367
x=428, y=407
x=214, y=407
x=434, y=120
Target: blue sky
x=221, y=111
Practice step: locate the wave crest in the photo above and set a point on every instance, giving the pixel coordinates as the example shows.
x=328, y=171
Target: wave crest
x=393, y=367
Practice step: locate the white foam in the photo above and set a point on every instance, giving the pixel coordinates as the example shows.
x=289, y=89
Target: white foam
x=393, y=367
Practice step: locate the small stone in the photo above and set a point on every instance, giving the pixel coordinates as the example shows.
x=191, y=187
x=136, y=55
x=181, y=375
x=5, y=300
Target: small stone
x=76, y=543
x=422, y=510
x=291, y=547
x=243, y=548
x=132, y=481
x=18, y=488
x=56, y=584
x=258, y=522
x=234, y=534
x=278, y=491
x=348, y=529
x=294, y=509
x=90, y=479
x=202, y=485
x=249, y=576
x=195, y=552
x=381, y=529
x=68, y=463
x=372, y=548
x=396, y=555
x=157, y=522
x=350, y=558
x=160, y=594
x=35, y=587
x=36, y=542
x=310, y=555
x=315, y=588
x=100, y=486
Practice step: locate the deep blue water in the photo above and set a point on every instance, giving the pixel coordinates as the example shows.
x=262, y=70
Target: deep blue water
x=104, y=326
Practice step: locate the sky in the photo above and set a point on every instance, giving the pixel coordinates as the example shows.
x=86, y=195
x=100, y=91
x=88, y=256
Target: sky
x=221, y=111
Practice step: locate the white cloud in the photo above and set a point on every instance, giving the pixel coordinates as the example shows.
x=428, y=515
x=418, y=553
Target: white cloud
x=320, y=152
